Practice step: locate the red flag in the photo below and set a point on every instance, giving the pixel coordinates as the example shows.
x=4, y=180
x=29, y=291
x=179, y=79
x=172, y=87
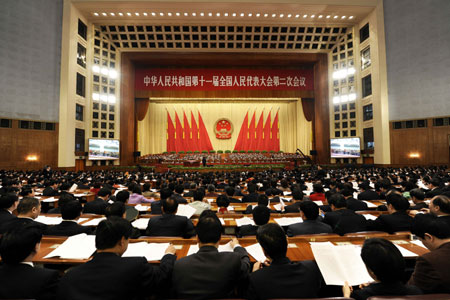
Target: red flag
x=170, y=134
x=195, y=134
x=250, y=145
x=179, y=144
x=205, y=142
x=259, y=142
x=266, y=134
x=187, y=133
x=275, y=133
x=242, y=134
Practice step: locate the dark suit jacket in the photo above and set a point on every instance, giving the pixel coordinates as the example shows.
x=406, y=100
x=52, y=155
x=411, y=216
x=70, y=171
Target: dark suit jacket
x=418, y=206
x=179, y=198
x=16, y=222
x=345, y=221
x=170, y=225
x=398, y=221
x=285, y=279
x=210, y=274
x=108, y=276
x=155, y=208
x=248, y=230
x=54, y=210
x=5, y=218
x=292, y=208
x=234, y=200
x=67, y=228
x=273, y=191
x=20, y=281
x=98, y=206
x=49, y=191
x=432, y=271
x=355, y=205
x=308, y=227
x=253, y=197
x=384, y=289
x=433, y=192
x=368, y=195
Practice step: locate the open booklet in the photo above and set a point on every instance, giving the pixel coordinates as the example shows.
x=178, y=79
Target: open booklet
x=185, y=210
x=222, y=248
x=80, y=246
x=151, y=251
x=339, y=264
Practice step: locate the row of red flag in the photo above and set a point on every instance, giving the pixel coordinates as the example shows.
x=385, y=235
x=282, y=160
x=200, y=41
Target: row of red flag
x=252, y=136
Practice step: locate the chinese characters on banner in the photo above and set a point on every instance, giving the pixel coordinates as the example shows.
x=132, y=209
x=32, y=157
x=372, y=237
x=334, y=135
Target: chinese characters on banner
x=223, y=79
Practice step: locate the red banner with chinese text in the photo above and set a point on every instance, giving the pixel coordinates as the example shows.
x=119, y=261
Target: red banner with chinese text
x=223, y=79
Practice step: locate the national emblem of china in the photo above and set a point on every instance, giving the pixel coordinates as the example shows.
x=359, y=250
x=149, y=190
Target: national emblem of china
x=223, y=129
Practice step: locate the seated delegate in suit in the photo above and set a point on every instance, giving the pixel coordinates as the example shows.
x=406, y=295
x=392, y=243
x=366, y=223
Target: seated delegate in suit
x=178, y=194
x=222, y=205
x=434, y=188
x=261, y=216
x=18, y=276
x=110, y=276
x=418, y=197
x=440, y=206
x=279, y=277
x=169, y=224
x=397, y=219
x=98, y=206
x=366, y=193
x=309, y=211
x=8, y=204
x=352, y=203
x=118, y=209
x=199, y=203
x=229, y=190
x=263, y=200
x=341, y=219
x=297, y=195
x=386, y=266
x=252, y=195
x=51, y=188
x=317, y=194
x=131, y=213
x=209, y=273
x=156, y=206
x=28, y=209
x=64, y=198
x=70, y=212
x=432, y=270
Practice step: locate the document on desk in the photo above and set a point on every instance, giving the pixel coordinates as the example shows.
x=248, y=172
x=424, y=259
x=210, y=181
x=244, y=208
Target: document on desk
x=151, y=251
x=405, y=252
x=256, y=251
x=73, y=188
x=80, y=246
x=51, y=199
x=369, y=217
x=320, y=203
x=185, y=210
x=244, y=221
x=418, y=243
x=340, y=263
x=222, y=248
x=94, y=222
x=140, y=207
x=48, y=220
x=81, y=220
x=288, y=221
x=369, y=204
x=141, y=223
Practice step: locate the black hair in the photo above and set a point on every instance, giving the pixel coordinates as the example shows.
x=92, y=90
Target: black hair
x=25, y=192
x=346, y=192
x=6, y=201
x=137, y=189
x=297, y=194
x=428, y=223
x=165, y=193
x=170, y=205
x=198, y=195
x=115, y=209
x=317, y=188
x=261, y=215
x=310, y=210
x=383, y=259
x=19, y=242
x=251, y=188
x=443, y=202
x=27, y=204
x=64, y=198
x=146, y=187
x=263, y=200
x=110, y=232
x=273, y=240
x=123, y=196
x=71, y=210
x=104, y=192
x=417, y=193
x=222, y=201
x=179, y=189
x=399, y=202
x=338, y=200
x=230, y=191
x=209, y=229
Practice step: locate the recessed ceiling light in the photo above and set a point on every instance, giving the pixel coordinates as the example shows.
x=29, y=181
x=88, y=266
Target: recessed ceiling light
x=304, y=16
x=234, y=14
x=320, y=16
x=351, y=17
x=145, y=14
x=177, y=14
x=225, y=14
x=313, y=16
x=258, y=15
x=242, y=14
x=202, y=14
x=161, y=14
x=194, y=14
x=128, y=14
x=218, y=14
x=266, y=15
x=274, y=15
x=186, y=14
x=210, y=14
x=343, y=17
x=281, y=15
x=153, y=14
x=104, y=14
x=328, y=16
x=250, y=15
x=96, y=14
x=289, y=15
x=137, y=14
x=335, y=17
x=169, y=14
x=120, y=14
x=112, y=14
x=297, y=16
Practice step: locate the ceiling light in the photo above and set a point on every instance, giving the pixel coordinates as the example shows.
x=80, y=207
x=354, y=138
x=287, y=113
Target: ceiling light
x=145, y=14
x=95, y=69
x=153, y=14
x=344, y=98
x=258, y=15
x=320, y=16
x=210, y=14
x=242, y=14
x=120, y=14
x=177, y=14
x=343, y=17
x=266, y=15
x=297, y=16
x=113, y=74
x=112, y=99
x=194, y=14
x=351, y=17
x=112, y=14
x=328, y=16
x=128, y=14
x=137, y=14
x=104, y=71
x=304, y=16
x=250, y=15
x=186, y=14
x=335, y=17
x=104, y=98
x=234, y=14
x=336, y=100
x=161, y=14
x=218, y=14
x=281, y=15
x=225, y=14
x=313, y=16
x=104, y=14
x=202, y=14
x=274, y=15
x=95, y=96
x=289, y=15
x=351, y=71
x=96, y=14
x=352, y=97
x=169, y=14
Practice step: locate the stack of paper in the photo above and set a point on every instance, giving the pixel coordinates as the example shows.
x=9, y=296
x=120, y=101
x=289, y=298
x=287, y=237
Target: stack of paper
x=48, y=220
x=185, y=210
x=244, y=221
x=286, y=193
x=80, y=220
x=339, y=264
x=73, y=188
x=80, y=246
x=94, y=222
x=257, y=252
x=51, y=199
x=222, y=248
x=369, y=217
x=140, y=223
x=288, y=221
x=320, y=203
x=79, y=195
x=405, y=252
x=369, y=204
x=140, y=207
x=151, y=251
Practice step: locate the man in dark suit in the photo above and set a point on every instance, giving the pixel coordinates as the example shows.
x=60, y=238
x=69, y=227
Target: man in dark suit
x=28, y=209
x=281, y=278
x=435, y=189
x=169, y=224
x=367, y=193
x=177, y=195
x=397, y=220
x=261, y=216
x=252, y=195
x=352, y=203
x=263, y=200
x=155, y=207
x=209, y=273
x=440, y=207
x=51, y=189
x=309, y=211
x=297, y=195
x=432, y=270
x=341, y=219
x=63, y=199
x=8, y=204
x=70, y=212
x=110, y=276
x=99, y=205
x=18, y=276
x=230, y=193
x=418, y=197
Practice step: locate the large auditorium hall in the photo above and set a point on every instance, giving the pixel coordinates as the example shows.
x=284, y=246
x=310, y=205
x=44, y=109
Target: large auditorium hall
x=172, y=149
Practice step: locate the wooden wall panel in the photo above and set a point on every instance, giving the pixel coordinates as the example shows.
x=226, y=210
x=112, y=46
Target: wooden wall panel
x=16, y=144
